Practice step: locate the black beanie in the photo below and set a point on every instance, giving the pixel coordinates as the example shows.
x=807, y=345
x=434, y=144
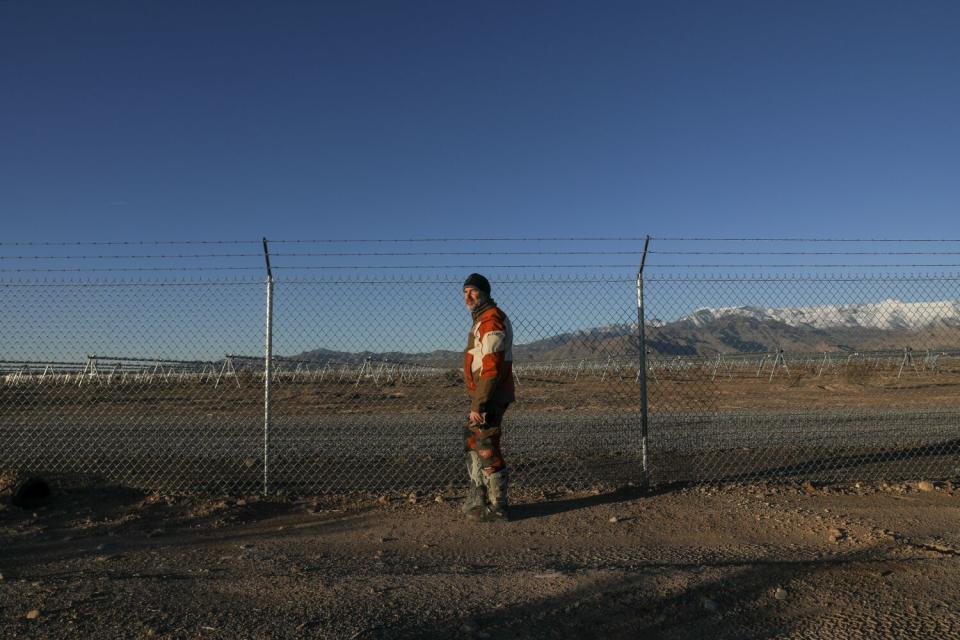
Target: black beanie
x=478, y=282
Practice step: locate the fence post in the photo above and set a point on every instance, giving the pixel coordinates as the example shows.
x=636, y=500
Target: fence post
x=641, y=330
x=267, y=366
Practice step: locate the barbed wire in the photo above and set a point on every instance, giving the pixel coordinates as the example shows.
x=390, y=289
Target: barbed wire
x=806, y=253
x=179, y=256
x=120, y=269
x=460, y=266
x=797, y=266
x=365, y=254
x=453, y=253
x=79, y=243
x=488, y=239
x=67, y=243
x=312, y=268
x=706, y=239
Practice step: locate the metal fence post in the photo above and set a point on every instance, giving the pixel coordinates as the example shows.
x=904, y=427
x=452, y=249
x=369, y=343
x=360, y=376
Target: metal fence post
x=267, y=362
x=641, y=331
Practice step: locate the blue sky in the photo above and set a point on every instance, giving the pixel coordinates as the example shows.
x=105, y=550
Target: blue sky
x=158, y=120
x=155, y=120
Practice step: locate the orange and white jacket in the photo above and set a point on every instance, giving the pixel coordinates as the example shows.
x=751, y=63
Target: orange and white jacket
x=488, y=359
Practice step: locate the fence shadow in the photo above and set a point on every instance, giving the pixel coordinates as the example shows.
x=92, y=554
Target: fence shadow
x=526, y=511
x=112, y=521
x=828, y=463
x=635, y=607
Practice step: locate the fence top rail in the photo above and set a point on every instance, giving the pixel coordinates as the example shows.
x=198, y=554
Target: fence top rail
x=804, y=277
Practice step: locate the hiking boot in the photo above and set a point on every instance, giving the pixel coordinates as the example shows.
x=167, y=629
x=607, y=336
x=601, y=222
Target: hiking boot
x=491, y=513
x=476, y=500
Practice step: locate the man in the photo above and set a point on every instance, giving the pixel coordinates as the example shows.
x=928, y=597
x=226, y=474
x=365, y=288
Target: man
x=488, y=373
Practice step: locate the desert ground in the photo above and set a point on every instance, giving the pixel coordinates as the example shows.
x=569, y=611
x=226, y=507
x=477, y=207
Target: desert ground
x=732, y=561
x=167, y=535
x=853, y=422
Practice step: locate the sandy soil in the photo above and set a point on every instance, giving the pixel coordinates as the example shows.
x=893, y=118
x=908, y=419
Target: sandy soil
x=747, y=561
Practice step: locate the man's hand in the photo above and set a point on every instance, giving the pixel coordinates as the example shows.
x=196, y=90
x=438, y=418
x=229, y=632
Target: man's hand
x=477, y=418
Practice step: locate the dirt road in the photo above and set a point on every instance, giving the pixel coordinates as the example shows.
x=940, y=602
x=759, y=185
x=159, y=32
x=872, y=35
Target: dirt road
x=735, y=562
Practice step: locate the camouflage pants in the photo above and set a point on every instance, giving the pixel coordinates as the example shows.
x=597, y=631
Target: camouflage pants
x=486, y=467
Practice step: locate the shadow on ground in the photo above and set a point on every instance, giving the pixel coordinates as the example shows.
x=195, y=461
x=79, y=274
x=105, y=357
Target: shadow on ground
x=680, y=602
x=83, y=523
x=545, y=508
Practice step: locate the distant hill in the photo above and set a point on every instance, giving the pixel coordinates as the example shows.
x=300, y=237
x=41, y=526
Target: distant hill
x=867, y=327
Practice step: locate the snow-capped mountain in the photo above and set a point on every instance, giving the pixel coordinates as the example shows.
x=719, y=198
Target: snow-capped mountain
x=890, y=315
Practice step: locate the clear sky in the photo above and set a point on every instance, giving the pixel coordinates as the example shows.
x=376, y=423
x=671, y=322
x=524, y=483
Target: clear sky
x=172, y=120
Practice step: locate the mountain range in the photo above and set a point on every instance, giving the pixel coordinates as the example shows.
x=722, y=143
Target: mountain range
x=888, y=315
x=889, y=324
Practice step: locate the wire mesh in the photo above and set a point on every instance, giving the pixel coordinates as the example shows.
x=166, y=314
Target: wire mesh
x=131, y=383
x=161, y=384
x=382, y=404
x=830, y=378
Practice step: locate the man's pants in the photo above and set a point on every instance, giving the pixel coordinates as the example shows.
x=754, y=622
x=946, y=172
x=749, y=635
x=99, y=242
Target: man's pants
x=485, y=464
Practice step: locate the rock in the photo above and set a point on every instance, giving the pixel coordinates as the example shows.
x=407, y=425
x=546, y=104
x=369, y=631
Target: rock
x=924, y=485
x=780, y=594
x=241, y=502
x=31, y=493
x=33, y=614
x=613, y=519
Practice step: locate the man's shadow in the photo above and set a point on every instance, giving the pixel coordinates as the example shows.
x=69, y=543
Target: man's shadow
x=552, y=507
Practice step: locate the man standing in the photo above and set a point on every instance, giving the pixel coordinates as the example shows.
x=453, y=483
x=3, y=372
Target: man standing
x=488, y=373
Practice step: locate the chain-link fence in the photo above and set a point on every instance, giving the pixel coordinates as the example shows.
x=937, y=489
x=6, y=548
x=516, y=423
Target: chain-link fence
x=123, y=381
x=163, y=384
x=804, y=378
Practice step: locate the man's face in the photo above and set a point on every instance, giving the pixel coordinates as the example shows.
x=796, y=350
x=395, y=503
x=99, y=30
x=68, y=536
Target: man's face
x=472, y=297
